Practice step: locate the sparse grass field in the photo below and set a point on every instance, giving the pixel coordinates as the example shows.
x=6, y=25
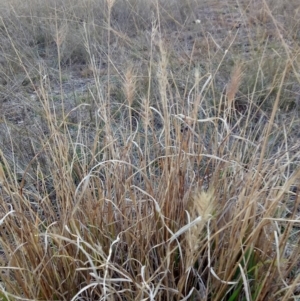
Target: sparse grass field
x=150, y=150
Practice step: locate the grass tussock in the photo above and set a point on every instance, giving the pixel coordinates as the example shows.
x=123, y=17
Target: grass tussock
x=145, y=157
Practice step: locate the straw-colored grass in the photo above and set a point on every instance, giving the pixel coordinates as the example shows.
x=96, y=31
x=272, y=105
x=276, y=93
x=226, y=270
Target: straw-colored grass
x=149, y=150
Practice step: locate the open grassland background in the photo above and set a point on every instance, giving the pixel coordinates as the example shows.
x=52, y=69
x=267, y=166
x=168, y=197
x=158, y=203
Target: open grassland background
x=149, y=150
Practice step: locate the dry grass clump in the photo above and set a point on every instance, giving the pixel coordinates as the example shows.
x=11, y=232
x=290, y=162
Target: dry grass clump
x=155, y=179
